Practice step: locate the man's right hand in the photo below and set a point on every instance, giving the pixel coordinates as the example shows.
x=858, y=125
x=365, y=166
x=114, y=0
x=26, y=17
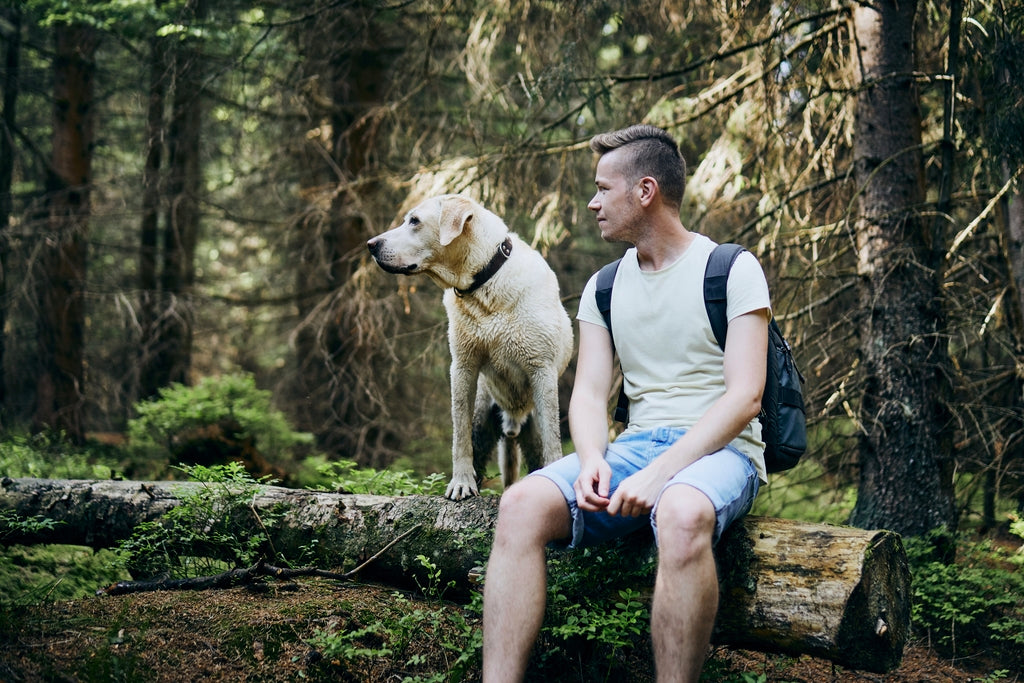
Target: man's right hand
x=592, y=485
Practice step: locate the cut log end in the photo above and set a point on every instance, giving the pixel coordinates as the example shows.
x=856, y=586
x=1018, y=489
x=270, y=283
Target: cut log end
x=828, y=591
x=876, y=623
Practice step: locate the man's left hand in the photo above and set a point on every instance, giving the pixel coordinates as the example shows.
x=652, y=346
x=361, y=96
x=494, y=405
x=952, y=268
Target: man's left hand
x=638, y=492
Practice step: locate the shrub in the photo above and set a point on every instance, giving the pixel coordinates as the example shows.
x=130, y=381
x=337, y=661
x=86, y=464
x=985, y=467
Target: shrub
x=970, y=608
x=230, y=399
x=50, y=455
x=209, y=532
x=598, y=614
x=345, y=476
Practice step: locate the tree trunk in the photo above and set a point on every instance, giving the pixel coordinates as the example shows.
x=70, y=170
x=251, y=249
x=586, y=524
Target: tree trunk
x=834, y=592
x=1012, y=206
x=61, y=283
x=906, y=469
x=11, y=27
x=151, y=378
x=172, y=338
x=336, y=357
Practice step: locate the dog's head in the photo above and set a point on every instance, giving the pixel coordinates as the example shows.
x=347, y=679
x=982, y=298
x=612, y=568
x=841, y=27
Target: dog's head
x=423, y=243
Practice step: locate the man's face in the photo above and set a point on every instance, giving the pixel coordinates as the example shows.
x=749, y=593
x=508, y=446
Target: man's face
x=615, y=203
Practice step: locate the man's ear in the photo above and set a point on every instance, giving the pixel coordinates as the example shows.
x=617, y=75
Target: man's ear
x=456, y=213
x=647, y=189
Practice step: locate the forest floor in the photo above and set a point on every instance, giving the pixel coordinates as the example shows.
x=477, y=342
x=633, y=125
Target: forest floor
x=269, y=635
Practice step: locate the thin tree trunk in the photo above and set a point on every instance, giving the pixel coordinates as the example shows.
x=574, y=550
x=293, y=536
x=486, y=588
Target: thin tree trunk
x=61, y=278
x=335, y=376
x=150, y=377
x=834, y=592
x=11, y=17
x=1013, y=244
x=173, y=346
x=905, y=455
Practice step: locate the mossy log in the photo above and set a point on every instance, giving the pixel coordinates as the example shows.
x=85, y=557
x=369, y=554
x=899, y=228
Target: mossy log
x=786, y=586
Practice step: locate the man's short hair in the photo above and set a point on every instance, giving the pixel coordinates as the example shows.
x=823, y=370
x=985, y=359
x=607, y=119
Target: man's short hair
x=650, y=151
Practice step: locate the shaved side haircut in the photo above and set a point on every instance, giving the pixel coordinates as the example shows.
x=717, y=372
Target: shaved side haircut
x=648, y=151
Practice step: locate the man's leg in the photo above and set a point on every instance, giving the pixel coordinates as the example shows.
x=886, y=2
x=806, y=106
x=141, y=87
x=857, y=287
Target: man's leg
x=686, y=589
x=532, y=513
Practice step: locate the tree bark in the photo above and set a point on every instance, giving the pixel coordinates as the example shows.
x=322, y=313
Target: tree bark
x=834, y=592
x=906, y=473
x=151, y=377
x=10, y=28
x=336, y=356
x=172, y=337
x=62, y=265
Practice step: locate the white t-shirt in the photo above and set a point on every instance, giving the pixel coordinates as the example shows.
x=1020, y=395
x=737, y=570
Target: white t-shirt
x=671, y=363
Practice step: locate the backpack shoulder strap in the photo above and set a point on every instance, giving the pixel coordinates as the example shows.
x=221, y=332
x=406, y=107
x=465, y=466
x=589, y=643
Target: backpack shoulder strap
x=605, y=280
x=603, y=293
x=716, y=278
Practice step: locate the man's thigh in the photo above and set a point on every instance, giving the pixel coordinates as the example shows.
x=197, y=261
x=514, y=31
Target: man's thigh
x=727, y=479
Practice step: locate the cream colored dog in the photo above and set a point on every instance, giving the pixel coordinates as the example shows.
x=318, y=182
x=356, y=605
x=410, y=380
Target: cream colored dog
x=510, y=337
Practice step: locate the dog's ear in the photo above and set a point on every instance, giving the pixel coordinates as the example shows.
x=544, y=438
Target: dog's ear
x=456, y=213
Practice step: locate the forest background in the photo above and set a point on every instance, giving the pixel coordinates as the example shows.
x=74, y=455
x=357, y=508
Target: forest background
x=186, y=189
x=187, y=186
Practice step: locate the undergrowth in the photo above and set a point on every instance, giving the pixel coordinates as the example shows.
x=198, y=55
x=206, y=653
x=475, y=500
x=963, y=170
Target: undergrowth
x=180, y=408
x=596, y=624
x=434, y=643
x=208, y=532
x=972, y=609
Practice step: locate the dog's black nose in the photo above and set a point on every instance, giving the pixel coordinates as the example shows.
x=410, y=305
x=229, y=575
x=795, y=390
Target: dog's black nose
x=374, y=245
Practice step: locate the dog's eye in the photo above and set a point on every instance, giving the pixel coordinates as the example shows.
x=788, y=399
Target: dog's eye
x=413, y=220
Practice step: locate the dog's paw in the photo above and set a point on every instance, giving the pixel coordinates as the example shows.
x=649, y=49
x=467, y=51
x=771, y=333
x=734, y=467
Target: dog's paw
x=460, y=487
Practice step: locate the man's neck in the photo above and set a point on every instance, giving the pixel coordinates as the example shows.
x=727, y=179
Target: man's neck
x=661, y=248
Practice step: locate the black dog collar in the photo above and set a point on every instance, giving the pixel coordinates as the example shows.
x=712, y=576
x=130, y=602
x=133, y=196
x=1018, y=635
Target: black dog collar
x=497, y=261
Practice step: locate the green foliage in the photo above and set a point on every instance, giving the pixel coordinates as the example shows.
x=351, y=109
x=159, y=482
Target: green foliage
x=346, y=476
x=597, y=615
x=433, y=588
x=42, y=573
x=235, y=398
x=213, y=529
x=11, y=522
x=48, y=455
x=454, y=641
x=970, y=608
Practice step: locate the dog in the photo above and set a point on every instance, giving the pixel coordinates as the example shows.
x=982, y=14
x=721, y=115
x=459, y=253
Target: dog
x=509, y=335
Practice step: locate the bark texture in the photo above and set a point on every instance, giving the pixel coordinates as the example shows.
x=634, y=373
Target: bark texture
x=834, y=592
x=906, y=474
x=61, y=269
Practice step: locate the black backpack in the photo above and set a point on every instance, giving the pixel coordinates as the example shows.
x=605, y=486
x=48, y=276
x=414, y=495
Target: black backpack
x=783, y=422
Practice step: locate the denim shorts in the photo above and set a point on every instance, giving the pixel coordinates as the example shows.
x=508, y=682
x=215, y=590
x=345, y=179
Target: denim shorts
x=727, y=478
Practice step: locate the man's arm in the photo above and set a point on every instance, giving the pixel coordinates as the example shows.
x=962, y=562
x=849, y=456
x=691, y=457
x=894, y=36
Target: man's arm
x=746, y=348
x=588, y=414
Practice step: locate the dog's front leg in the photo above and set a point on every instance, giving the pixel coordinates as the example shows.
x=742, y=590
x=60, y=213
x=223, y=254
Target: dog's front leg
x=463, y=482
x=545, y=401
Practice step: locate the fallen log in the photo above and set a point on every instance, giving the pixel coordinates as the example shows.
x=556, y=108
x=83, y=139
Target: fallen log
x=786, y=586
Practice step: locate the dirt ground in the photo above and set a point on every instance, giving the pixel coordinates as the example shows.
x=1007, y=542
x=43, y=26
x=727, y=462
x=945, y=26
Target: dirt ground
x=245, y=635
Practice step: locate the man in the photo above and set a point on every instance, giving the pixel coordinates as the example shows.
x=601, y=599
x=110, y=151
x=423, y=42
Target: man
x=690, y=460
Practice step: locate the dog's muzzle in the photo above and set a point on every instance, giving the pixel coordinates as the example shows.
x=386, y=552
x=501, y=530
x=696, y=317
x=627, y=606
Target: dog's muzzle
x=376, y=247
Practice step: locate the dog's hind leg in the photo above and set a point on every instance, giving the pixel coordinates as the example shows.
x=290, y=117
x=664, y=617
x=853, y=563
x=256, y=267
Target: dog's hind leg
x=531, y=445
x=486, y=434
x=510, y=460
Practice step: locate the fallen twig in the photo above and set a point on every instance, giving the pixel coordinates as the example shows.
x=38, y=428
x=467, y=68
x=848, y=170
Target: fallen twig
x=241, y=576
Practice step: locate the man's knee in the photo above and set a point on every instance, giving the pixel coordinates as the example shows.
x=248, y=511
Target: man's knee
x=685, y=520
x=535, y=507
